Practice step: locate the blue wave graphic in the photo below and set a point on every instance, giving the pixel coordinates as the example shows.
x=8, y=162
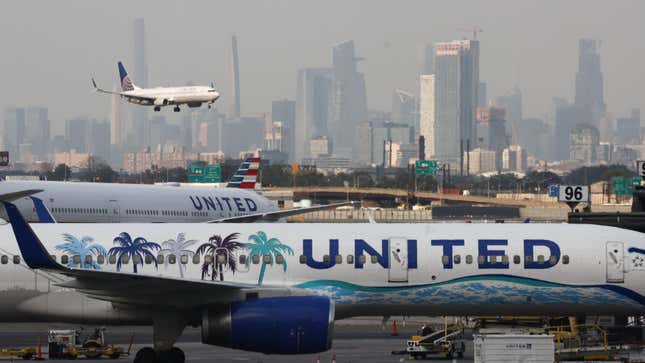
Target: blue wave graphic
x=481, y=289
x=636, y=250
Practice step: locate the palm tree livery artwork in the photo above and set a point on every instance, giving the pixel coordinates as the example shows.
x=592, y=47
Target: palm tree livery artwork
x=139, y=247
x=218, y=246
x=177, y=247
x=82, y=248
x=264, y=246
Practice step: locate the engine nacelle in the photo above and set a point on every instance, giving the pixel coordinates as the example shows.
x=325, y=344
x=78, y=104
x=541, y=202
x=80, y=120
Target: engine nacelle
x=194, y=104
x=278, y=325
x=161, y=102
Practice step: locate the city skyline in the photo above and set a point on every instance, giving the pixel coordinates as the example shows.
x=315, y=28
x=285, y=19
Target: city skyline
x=507, y=59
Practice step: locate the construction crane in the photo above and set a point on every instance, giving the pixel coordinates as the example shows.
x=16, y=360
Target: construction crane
x=475, y=30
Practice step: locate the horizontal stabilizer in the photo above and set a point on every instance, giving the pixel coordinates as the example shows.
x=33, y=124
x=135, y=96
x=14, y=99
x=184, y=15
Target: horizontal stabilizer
x=10, y=197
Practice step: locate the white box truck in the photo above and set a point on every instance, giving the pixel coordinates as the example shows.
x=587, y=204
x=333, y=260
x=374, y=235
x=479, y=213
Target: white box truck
x=500, y=348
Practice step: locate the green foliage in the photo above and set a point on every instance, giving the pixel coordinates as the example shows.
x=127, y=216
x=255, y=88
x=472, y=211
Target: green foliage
x=593, y=174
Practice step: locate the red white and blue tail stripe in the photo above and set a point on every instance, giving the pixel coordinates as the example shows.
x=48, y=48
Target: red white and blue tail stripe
x=246, y=176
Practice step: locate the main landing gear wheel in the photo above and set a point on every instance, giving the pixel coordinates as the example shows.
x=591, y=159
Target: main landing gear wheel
x=176, y=109
x=145, y=355
x=157, y=108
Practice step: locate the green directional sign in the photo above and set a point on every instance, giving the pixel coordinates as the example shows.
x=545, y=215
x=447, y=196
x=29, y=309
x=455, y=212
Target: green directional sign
x=199, y=173
x=624, y=186
x=425, y=167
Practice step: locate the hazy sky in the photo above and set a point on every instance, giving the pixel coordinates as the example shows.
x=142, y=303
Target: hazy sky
x=50, y=49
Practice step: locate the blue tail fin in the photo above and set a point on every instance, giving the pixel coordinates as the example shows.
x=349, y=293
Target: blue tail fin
x=126, y=82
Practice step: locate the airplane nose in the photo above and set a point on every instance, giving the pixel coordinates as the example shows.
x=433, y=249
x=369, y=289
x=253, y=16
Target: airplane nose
x=216, y=96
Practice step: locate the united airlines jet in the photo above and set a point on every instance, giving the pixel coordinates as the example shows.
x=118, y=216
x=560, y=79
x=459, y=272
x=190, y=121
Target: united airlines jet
x=277, y=288
x=193, y=96
x=71, y=202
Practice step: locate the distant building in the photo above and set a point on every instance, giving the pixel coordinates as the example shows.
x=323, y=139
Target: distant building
x=491, y=131
x=76, y=134
x=482, y=95
x=37, y=130
x=312, y=107
x=625, y=155
x=329, y=164
x=99, y=140
x=512, y=102
x=14, y=131
x=209, y=136
x=482, y=161
x=285, y=112
x=589, y=80
x=628, y=129
x=274, y=137
x=514, y=158
x=246, y=133
x=605, y=151
x=319, y=146
x=364, y=144
x=168, y=156
x=536, y=136
x=137, y=131
x=584, y=143
x=72, y=158
x=404, y=108
x=398, y=155
x=348, y=98
x=118, y=120
x=456, y=85
x=567, y=117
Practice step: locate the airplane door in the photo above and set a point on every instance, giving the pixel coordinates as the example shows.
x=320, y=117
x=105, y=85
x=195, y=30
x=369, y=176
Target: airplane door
x=398, y=271
x=113, y=211
x=615, y=262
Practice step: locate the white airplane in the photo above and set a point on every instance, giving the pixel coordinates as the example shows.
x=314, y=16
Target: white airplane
x=71, y=202
x=277, y=288
x=193, y=96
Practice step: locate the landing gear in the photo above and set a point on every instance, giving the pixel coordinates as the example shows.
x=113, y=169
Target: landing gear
x=157, y=108
x=176, y=109
x=167, y=328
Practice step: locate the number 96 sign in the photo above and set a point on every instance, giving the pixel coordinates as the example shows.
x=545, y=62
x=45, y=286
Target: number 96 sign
x=573, y=193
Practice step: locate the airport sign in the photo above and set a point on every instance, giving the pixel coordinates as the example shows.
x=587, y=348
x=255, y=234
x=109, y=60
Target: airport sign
x=204, y=173
x=624, y=186
x=573, y=193
x=425, y=167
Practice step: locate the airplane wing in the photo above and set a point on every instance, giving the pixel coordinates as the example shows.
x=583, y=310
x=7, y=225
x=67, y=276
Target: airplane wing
x=277, y=215
x=132, y=288
x=122, y=94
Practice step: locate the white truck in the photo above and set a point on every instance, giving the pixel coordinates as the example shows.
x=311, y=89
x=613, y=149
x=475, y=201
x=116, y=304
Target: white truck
x=512, y=348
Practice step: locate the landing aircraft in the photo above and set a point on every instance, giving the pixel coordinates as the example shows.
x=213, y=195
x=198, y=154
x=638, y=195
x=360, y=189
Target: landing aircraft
x=277, y=288
x=67, y=202
x=193, y=96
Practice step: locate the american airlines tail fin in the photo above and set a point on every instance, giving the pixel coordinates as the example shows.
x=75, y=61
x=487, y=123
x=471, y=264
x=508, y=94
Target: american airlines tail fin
x=247, y=174
x=126, y=81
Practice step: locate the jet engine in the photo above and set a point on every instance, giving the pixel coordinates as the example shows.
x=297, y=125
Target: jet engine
x=194, y=104
x=161, y=102
x=277, y=325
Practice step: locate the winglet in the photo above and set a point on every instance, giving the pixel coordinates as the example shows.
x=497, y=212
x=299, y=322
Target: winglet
x=32, y=250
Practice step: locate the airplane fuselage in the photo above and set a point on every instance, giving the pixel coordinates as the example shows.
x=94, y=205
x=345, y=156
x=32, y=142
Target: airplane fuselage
x=368, y=269
x=118, y=203
x=193, y=96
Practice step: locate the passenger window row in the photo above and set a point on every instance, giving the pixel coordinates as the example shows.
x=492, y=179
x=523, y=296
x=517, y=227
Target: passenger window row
x=148, y=259
x=174, y=213
x=80, y=210
x=338, y=259
x=199, y=214
x=142, y=212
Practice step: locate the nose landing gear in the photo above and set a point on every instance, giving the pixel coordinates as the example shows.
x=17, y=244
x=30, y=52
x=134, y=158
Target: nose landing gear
x=157, y=108
x=176, y=109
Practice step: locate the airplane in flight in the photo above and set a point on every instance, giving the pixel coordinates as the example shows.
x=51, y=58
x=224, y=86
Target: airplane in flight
x=158, y=97
x=72, y=202
x=277, y=288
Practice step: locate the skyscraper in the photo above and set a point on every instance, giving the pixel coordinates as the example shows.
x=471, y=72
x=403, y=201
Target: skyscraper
x=37, y=130
x=138, y=128
x=404, y=108
x=567, y=117
x=456, y=86
x=76, y=132
x=312, y=107
x=14, y=130
x=98, y=140
x=235, y=77
x=285, y=111
x=584, y=143
x=348, y=101
x=589, y=80
x=512, y=102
